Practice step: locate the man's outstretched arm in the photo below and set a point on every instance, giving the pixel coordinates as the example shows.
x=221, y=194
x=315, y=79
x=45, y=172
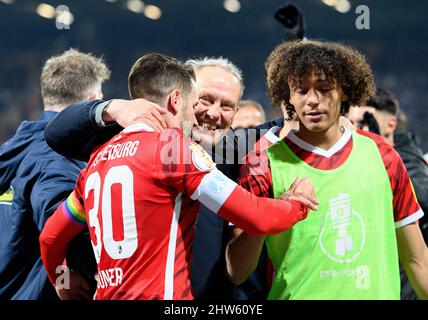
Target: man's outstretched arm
x=74, y=132
x=243, y=251
x=79, y=128
x=257, y=216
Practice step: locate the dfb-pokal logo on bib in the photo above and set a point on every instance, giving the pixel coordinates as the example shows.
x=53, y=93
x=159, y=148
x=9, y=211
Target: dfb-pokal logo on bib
x=343, y=233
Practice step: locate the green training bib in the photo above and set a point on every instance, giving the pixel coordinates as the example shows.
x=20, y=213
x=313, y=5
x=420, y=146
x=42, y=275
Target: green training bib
x=347, y=249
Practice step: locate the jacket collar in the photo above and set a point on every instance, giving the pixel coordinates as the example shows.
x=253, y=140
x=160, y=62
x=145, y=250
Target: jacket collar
x=48, y=115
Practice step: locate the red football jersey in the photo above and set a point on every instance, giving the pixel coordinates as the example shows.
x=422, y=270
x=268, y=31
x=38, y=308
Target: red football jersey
x=255, y=174
x=137, y=195
x=135, y=192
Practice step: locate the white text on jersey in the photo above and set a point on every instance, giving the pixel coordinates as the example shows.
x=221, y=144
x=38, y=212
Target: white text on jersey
x=110, y=278
x=115, y=151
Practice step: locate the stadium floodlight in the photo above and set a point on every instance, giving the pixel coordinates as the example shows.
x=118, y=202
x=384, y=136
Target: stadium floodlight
x=343, y=6
x=330, y=3
x=136, y=6
x=152, y=12
x=232, y=5
x=46, y=11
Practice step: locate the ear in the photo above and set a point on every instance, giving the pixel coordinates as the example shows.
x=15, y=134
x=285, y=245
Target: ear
x=392, y=124
x=96, y=93
x=92, y=96
x=174, y=102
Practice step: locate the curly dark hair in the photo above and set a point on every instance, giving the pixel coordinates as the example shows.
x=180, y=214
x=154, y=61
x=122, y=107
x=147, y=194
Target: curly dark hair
x=292, y=62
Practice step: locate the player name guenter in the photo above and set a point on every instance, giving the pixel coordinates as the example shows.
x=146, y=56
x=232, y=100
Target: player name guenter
x=215, y=309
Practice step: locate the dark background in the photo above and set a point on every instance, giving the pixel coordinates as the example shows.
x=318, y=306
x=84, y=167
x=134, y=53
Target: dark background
x=395, y=45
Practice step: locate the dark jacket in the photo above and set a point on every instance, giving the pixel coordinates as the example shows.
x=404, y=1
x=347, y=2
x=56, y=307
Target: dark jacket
x=38, y=179
x=407, y=146
x=74, y=132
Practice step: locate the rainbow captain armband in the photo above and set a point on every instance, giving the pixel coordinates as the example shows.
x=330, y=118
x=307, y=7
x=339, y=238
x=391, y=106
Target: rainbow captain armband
x=73, y=209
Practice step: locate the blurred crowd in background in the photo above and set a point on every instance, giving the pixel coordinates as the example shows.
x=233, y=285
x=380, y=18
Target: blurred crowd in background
x=245, y=32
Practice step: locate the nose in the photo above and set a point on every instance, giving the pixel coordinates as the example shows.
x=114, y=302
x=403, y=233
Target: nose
x=214, y=111
x=313, y=99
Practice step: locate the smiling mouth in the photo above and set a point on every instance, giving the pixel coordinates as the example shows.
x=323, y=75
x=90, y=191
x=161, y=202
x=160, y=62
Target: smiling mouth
x=206, y=132
x=207, y=126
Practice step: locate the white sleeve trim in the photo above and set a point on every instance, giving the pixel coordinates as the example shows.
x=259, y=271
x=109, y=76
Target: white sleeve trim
x=412, y=218
x=214, y=190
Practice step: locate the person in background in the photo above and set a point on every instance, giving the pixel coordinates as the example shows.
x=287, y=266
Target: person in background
x=384, y=109
x=393, y=126
x=34, y=180
x=250, y=114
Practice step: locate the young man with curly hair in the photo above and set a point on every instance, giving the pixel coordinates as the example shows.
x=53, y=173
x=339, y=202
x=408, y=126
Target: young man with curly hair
x=367, y=216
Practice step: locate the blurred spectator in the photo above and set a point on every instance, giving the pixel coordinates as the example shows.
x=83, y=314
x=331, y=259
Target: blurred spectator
x=250, y=114
x=382, y=108
x=393, y=124
x=37, y=179
x=407, y=145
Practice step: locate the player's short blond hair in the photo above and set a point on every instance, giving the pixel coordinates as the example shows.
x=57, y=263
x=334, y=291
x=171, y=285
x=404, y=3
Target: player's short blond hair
x=69, y=77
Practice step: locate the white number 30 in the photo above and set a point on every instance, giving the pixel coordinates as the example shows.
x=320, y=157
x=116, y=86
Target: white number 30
x=115, y=249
